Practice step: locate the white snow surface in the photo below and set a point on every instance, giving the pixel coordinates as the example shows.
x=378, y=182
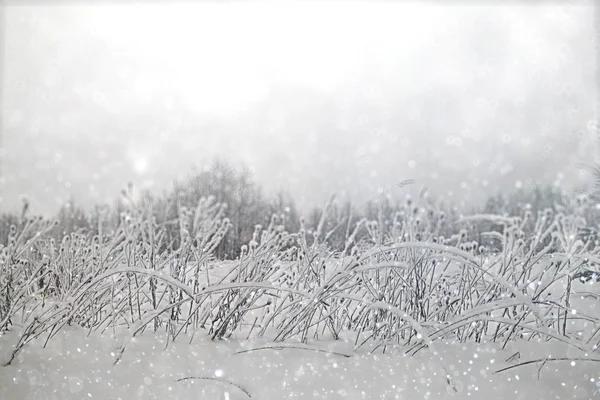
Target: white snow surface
x=74, y=365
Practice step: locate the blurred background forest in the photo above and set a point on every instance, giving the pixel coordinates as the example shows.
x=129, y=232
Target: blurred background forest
x=247, y=206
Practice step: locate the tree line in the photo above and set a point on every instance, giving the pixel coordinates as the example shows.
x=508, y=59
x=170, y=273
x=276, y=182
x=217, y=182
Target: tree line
x=247, y=206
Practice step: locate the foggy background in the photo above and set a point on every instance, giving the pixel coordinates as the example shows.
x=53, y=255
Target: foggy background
x=315, y=98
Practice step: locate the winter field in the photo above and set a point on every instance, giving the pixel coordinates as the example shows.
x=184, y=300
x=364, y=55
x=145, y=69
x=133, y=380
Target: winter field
x=481, y=306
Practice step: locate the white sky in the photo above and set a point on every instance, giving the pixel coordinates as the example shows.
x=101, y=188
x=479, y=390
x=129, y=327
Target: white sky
x=316, y=97
x=220, y=57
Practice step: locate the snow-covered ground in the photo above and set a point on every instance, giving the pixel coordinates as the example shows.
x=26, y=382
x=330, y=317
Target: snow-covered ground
x=77, y=366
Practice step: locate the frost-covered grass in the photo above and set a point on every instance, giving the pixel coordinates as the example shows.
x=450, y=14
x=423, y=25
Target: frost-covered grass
x=405, y=312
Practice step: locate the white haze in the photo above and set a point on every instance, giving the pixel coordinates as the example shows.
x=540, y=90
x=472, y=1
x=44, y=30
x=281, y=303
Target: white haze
x=316, y=97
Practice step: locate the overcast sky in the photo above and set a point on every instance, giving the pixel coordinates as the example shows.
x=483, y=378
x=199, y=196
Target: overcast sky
x=316, y=98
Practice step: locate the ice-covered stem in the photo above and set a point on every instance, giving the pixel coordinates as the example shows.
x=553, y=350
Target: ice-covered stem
x=319, y=233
